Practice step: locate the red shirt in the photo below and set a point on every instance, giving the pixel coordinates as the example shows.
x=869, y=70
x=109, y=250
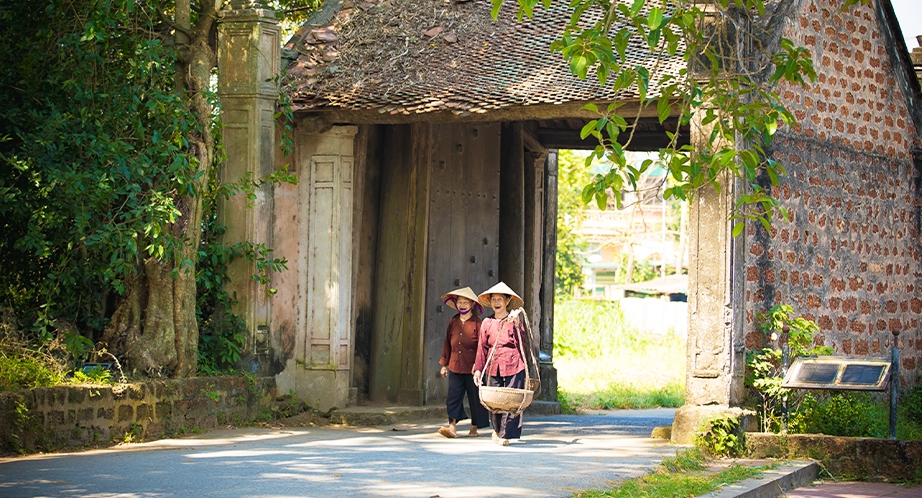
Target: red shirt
x=460, y=345
x=507, y=360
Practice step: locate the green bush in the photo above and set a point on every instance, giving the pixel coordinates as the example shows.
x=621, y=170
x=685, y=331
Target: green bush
x=911, y=403
x=590, y=329
x=841, y=414
x=26, y=371
x=721, y=436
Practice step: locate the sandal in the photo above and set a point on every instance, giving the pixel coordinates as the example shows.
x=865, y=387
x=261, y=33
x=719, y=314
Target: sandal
x=445, y=431
x=473, y=433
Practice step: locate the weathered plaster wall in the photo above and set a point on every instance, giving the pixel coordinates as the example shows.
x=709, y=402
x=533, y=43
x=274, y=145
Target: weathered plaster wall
x=849, y=257
x=47, y=419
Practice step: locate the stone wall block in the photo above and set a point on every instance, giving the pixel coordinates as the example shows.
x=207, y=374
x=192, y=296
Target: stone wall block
x=125, y=413
x=105, y=413
x=137, y=392
x=142, y=413
x=76, y=395
x=76, y=415
x=163, y=410
x=846, y=457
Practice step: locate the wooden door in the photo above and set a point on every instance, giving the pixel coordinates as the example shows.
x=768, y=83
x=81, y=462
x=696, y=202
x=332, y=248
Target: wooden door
x=463, y=230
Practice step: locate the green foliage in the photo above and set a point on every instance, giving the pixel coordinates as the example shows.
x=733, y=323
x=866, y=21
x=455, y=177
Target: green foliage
x=590, y=329
x=571, y=175
x=603, y=364
x=625, y=397
x=95, y=375
x=642, y=271
x=212, y=394
x=26, y=369
x=764, y=368
x=133, y=434
x=722, y=437
x=732, y=97
x=94, y=160
x=911, y=404
x=679, y=476
x=99, y=167
x=850, y=414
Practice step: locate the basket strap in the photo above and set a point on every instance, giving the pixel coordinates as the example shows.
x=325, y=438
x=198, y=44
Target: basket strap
x=531, y=349
x=524, y=360
x=486, y=366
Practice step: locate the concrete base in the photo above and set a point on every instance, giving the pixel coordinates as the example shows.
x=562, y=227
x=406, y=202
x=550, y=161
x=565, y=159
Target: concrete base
x=689, y=419
x=662, y=432
x=320, y=389
x=544, y=408
x=412, y=397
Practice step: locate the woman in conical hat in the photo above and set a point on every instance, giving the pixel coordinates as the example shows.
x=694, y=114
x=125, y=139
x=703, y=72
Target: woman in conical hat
x=458, y=353
x=507, y=368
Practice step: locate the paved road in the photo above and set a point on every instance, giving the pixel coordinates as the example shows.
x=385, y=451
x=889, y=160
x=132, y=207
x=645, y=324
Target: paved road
x=556, y=456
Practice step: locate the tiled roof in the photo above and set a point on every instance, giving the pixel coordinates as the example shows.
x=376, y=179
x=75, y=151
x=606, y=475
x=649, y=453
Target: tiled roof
x=442, y=57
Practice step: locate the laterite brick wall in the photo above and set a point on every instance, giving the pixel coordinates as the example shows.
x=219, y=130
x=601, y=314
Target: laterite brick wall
x=47, y=419
x=850, y=256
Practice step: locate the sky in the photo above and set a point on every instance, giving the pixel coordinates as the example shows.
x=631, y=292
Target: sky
x=909, y=13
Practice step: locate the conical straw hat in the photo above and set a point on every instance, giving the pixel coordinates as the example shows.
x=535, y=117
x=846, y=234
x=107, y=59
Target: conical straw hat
x=501, y=288
x=462, y=292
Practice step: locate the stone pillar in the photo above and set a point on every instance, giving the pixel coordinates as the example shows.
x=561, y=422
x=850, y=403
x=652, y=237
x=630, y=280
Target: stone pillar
x=320, y=372
x=716, y=359
x=248, y=55
x=512, y=207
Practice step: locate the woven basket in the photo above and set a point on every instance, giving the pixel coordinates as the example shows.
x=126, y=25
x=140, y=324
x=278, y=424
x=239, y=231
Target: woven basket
x=508, y=399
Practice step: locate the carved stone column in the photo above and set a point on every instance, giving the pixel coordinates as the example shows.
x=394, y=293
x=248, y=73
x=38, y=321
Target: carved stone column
x=248, y=56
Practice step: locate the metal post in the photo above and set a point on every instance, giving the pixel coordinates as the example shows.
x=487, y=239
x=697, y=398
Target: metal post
x=785, y=363
x=894, y=382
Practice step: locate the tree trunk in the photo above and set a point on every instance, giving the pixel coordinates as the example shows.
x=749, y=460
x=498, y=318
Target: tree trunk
x=154, y=328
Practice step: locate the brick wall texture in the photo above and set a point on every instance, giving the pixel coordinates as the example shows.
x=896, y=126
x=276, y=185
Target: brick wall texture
x=52, y=418
x=850, y=255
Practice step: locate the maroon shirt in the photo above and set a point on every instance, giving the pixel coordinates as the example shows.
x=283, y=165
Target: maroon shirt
x=460, y=345
x=507, y=360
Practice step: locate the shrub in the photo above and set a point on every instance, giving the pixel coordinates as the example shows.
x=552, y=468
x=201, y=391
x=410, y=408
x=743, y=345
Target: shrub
x=585, y=328
x=849, y=414
x=25, y=369
x=721, y=436
x=764, y=366
x=911, y=403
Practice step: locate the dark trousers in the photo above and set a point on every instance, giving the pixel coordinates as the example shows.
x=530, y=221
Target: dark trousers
x=505, y=425
x=458, y=385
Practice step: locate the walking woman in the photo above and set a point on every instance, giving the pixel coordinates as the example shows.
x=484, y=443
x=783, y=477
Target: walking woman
x=502, y=331
x=458, y=353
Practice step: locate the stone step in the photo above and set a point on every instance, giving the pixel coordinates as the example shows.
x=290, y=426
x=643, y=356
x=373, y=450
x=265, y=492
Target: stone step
x=772, y=483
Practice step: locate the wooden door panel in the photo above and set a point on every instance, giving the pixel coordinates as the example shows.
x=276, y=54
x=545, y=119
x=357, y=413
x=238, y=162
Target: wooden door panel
x=463, y=212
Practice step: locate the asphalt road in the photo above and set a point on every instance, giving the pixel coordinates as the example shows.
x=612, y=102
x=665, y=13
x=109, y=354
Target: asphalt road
x=556, y=456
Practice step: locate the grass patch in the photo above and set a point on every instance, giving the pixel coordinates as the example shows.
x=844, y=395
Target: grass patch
x=603, y=364
x=679, y=476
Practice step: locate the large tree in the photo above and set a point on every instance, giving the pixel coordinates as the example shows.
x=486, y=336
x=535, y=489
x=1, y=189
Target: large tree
x=107, y=140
